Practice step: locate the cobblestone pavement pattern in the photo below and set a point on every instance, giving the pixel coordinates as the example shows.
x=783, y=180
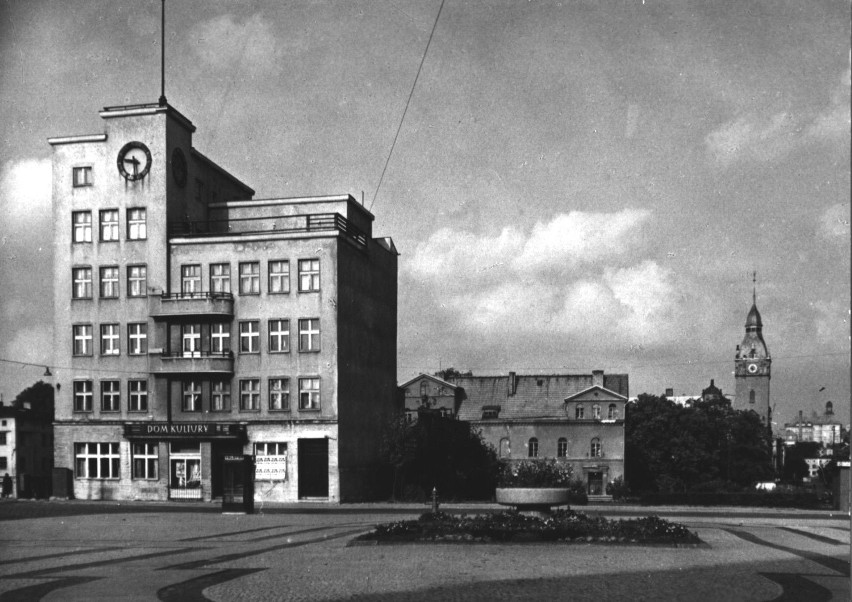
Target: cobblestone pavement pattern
x=108, y=551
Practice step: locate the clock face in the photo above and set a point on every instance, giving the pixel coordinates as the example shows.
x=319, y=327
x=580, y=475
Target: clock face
x=179, y=167
x=134, y=161
x=752, y=368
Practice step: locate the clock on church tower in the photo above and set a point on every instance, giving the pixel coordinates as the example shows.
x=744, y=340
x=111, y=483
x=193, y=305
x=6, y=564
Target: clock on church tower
x=752, y=368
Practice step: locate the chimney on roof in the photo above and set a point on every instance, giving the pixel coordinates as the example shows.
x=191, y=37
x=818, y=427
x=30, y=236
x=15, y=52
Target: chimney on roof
x=670, y=392
x=513, y=383
x=597, y=378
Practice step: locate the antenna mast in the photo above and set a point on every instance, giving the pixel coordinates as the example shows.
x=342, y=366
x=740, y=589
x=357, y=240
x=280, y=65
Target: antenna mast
x=163, y=55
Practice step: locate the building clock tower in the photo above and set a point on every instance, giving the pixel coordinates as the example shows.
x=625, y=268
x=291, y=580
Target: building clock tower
x=752, y=368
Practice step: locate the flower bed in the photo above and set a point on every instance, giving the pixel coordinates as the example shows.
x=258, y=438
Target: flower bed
x=560, y=526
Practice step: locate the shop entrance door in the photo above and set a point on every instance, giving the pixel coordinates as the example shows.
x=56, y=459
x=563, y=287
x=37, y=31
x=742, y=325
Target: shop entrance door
x=313, y=468
x=220, y=449
x=185, y=471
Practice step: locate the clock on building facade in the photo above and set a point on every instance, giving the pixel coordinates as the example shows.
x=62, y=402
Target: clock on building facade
x=752, y=369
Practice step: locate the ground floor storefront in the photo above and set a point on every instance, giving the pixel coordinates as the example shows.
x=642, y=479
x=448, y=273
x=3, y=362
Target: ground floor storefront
x=186, y=461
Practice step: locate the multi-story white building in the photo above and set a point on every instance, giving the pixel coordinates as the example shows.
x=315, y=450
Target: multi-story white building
x=193, y=322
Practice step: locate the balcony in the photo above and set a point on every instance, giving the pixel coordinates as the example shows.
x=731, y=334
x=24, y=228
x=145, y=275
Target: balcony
x=191, y=305
x=192, y=363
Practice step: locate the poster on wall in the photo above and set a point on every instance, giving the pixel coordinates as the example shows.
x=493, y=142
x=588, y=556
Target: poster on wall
x=271, y=468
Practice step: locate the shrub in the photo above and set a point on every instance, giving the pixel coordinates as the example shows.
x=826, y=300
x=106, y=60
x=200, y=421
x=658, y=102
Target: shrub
x=534, y=473
x=618, y=489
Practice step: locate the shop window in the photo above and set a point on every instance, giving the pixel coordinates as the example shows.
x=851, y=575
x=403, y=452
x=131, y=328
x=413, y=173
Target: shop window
x=145, y=461
x=97, y=460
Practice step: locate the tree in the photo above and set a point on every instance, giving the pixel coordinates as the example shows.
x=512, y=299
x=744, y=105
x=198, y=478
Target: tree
x=39, y=398
x=675, y=448
x=795, y=467
x=451, y=373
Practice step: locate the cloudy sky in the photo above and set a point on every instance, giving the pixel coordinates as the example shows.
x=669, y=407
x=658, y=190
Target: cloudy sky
x=575, y=185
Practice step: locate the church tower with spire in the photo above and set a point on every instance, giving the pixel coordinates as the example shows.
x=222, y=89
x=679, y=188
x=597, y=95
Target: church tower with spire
x=752, y=367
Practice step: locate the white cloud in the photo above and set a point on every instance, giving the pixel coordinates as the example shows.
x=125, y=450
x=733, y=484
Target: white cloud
x=834, y=223
x=762, y=138
x=581, y=237
x=225, y=43
x=450, y=255
x=25, y=191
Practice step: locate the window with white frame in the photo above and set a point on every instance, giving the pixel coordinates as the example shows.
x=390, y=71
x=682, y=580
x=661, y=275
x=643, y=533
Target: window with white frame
x=595, y=449
x=97, y=460
x=220, y=338
x=279, y=277
x=110, y=344
x=82, y=339
x=270, y=461
x=82, y=396
x=145, y=461
x=309, y=275
x=109, y=282
x=220, y=277
x=137, y=338
x=82, y=176
x=596, y=412
x=579, y=412
x=562, y=447
x=191, y=396
x=250, y=278
x=109, y=225
x=279, y=336
x=309, y=393
x=110, y=395
x=532, y=448
x=279, y=394
x=250, y=394
x=190, y=279
x=309, y=334
x=82, y=283
x=191, y=340
x=137, y=228
x=612, y=413
x=137, y=280
x=221, y=397
x=82, y=226
x=250, y=336
x=138, y=395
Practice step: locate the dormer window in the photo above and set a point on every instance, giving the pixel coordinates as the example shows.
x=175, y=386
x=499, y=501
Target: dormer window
x=490, y=412
x=596, y=412
x=579, y=412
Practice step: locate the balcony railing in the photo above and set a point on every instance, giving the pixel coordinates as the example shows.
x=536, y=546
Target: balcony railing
x=192, y=362
x=286, y=224
x=191, y=304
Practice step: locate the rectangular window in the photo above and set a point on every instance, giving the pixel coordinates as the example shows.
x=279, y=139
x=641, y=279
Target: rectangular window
x=109, y=282
x=137, y=228
x=82, y=176
x=190, y=279
x=82, y=339
x=82, y=222
x=97, y=460
x=82, y=396
x=137, y=339
x=145, y=461
x=279, y=336
x=221, y=396
x=109, y=339
x=309, y=393
x=220, y=278
x=250, y=394
x=191, y=396
x=250, y=337
x=270, y=461
x=220, y=338
x=270, y=449
x=309, y=275
x=110, y=396
x=82, y=283
x=191, y=340
x=279, y=394
x=137, y=280
x=309, y=334
x=250, y=278
x=109, y=225
x=138, y=393
x=279, y=277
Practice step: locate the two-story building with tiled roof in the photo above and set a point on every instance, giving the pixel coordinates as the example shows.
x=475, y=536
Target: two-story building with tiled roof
x=576, y=418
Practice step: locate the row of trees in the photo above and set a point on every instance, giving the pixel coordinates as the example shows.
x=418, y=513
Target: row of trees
x=709, y=445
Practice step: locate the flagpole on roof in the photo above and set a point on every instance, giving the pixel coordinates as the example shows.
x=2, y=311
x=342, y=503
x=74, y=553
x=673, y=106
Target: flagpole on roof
x=163, y=54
